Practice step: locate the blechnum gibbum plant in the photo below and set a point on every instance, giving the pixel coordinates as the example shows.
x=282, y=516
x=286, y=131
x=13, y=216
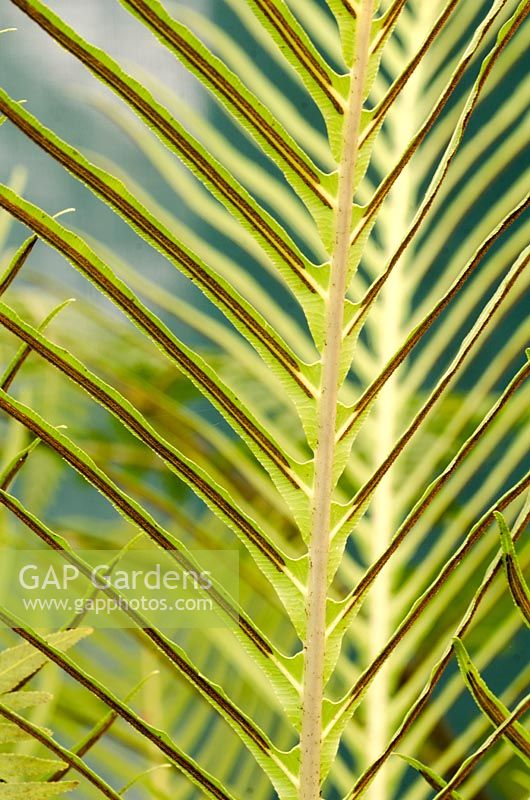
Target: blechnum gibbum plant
x=367, y=393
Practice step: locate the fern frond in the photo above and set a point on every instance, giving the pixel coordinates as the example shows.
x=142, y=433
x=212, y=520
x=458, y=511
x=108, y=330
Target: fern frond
x=325, y=236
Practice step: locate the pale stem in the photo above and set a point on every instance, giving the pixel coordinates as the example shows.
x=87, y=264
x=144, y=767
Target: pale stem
x=378, y=698
x=389, y=334
x=311, y=734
